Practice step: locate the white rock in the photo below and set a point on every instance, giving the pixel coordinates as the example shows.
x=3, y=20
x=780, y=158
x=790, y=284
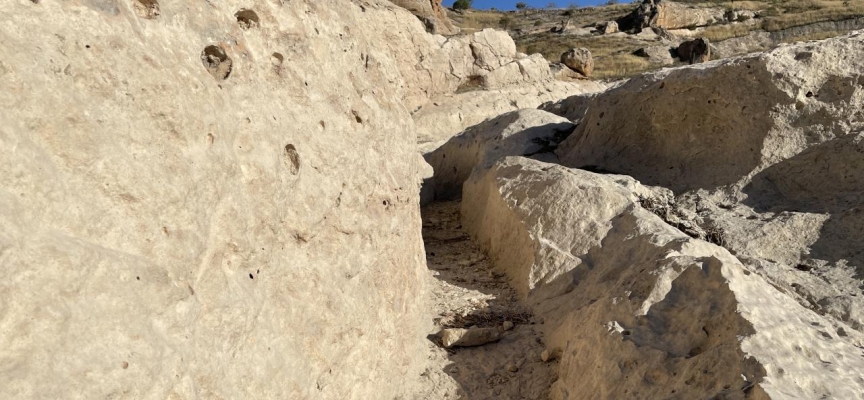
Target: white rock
x=520, y=132
x=256, y=236
x=575, y=239
x=455, y=113
x=457, y=337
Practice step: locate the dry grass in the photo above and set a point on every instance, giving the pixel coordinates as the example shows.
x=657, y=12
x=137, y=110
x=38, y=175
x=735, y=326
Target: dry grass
x=745, y=5
x=822, y=11
x=717, y=33
x=613, y=56
x=474, y=20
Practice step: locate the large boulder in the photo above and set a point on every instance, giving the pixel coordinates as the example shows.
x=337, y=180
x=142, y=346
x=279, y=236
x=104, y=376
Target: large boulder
x=670, y=15
x=661, y=55
x=432, y=13
x=250, y=233
x=608, y=27
x=694, y=51
x=579, y=60
x=634, y=308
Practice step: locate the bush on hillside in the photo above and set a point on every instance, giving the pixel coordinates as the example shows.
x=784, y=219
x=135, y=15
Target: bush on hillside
x=462, y=4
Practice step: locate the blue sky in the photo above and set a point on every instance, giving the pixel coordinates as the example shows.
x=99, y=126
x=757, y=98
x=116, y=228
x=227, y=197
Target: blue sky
x=510, y=4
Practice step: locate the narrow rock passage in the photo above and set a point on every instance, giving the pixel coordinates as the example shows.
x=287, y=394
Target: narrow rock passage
x=467, y=292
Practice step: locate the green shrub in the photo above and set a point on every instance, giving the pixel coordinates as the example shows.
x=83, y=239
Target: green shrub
x=462, y=4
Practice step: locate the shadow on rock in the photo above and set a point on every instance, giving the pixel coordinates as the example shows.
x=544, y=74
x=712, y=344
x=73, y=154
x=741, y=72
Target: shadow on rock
x=470, y=294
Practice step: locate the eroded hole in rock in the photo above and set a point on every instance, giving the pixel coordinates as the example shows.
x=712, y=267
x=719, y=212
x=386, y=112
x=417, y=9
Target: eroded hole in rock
x=247, y=19
x=357, y=117
x=292, y=159
x=276, y=59
x=474, y=82
x=147, y=9
x=217, y=62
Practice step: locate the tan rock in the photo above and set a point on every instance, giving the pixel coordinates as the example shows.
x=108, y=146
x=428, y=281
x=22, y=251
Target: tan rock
x=754, y=111
x=525, y=70
x=595, y=259
x=457, y=337
x=661, y=55
x=199, y=224
x=453, y=114
x=673, y=15
x=522, y=132
x=670, y=15
x=579, y=60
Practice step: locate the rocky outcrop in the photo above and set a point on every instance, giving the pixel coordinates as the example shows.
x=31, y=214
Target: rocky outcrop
x=533, y=68
x=524, y=133
x=767, y=164
x=670, y=15
x=579, y=60
x=207, y=202
x=431, y=13
x=608, y=27
x=694, y=51
x=448, y=115
x=635, y=308
x=762, y=40
x=748, y=113
x=661, y=55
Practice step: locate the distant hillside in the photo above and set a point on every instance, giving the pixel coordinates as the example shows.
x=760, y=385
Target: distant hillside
x=733, y=27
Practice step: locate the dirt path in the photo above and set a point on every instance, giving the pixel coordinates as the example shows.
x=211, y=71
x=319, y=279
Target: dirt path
x=467, y=292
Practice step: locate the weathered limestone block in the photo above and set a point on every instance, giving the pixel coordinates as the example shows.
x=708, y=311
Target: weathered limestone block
x=713, y=124
x=173, y=232
x=522, y=133
x=635, y=308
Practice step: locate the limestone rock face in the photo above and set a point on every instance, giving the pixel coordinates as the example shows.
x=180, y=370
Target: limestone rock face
x=802, y=222
x=763, y=153
x=432, y=13
x=636, y=309
x=529, y=69
x=523, y=133
x=710, y=125
x=579, y=60
x=168, y=232
x=492, y=49
x=448, y=115
x=670, y=15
